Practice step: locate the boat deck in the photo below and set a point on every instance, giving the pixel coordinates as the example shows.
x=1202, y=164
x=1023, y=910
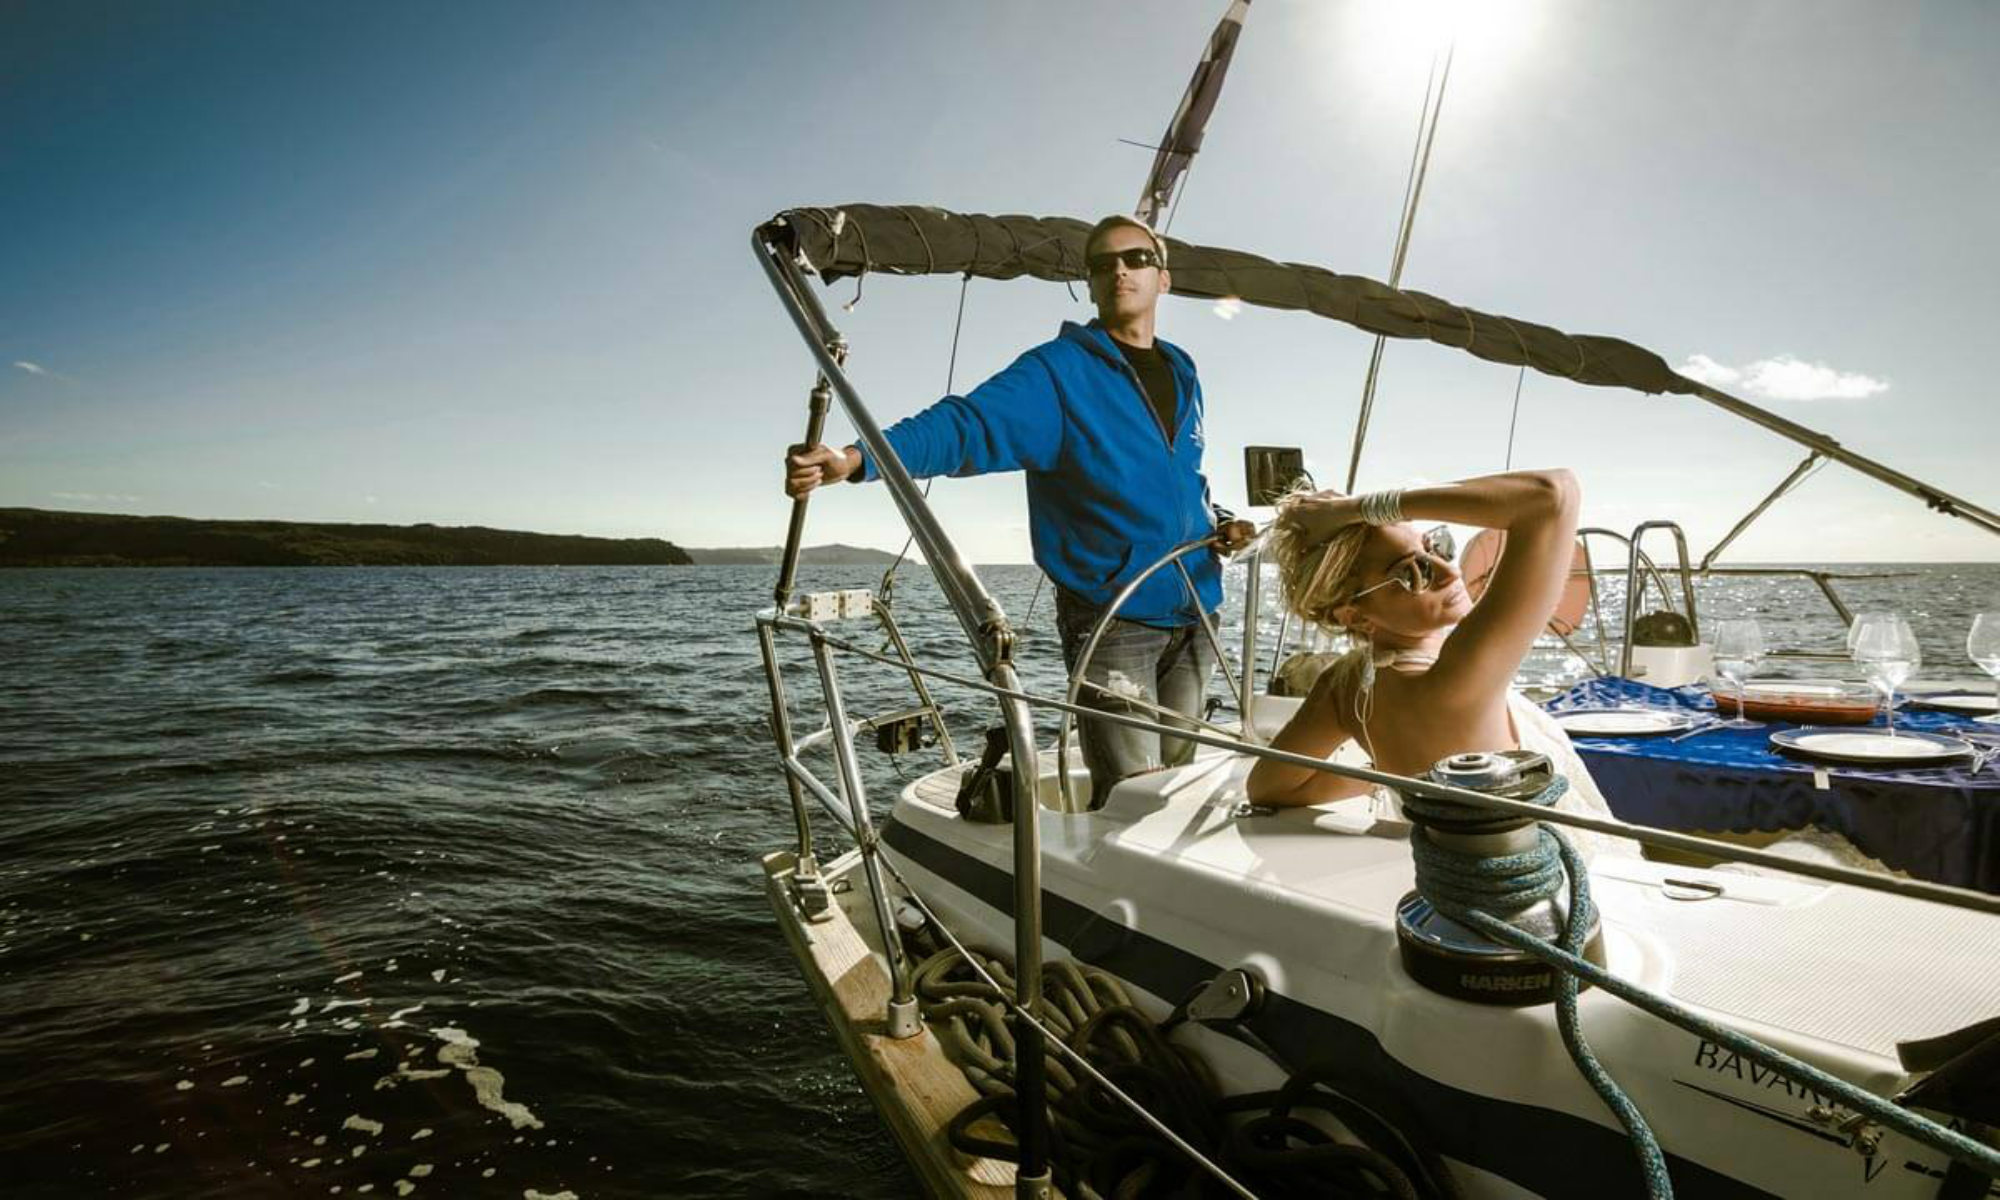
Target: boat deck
x=916, y=1088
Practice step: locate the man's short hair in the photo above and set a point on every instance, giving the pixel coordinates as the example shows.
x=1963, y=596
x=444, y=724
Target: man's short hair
x=1114, y=221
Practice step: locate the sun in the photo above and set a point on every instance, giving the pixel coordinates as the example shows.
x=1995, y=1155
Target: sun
x=1494, y=32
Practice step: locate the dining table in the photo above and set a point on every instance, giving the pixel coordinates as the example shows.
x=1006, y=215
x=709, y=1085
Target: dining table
x=1937, y=822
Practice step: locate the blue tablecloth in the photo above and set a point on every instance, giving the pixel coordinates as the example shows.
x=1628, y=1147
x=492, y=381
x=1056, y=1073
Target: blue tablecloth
x=1937, y=823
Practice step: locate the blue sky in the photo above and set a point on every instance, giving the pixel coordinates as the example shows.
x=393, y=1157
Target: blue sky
x=488, y=263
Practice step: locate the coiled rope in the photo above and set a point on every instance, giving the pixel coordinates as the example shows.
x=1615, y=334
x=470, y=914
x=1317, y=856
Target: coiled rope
x=1470, y=889
x=1101, y=1150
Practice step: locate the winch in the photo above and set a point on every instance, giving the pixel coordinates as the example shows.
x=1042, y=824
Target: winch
x=1496, y=862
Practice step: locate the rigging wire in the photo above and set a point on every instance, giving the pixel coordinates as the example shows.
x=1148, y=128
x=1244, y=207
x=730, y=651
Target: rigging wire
x=1413, y=194
x=1514, y=420
x=886, y=590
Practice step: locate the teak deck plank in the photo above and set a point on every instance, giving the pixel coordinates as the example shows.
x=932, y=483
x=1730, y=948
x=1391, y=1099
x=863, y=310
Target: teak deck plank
x=916, y=1088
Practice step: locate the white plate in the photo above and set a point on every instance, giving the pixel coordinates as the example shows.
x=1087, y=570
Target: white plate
x=1622, y=722
x=1971, y=704
x=1871, y=746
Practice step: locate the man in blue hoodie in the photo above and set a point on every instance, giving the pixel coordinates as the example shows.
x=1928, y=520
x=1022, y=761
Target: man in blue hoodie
x=1106, y=422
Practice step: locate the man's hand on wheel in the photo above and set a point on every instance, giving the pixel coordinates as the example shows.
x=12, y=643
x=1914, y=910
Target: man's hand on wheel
x=1231, y=536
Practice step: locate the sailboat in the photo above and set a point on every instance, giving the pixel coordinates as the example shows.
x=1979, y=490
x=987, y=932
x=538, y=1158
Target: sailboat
x=1822, y=1032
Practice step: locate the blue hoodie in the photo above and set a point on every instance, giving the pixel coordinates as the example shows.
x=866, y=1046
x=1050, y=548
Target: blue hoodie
x=1108, y=492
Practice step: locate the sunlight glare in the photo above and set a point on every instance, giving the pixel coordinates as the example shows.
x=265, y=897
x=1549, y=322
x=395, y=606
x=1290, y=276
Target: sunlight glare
x=1494, y=32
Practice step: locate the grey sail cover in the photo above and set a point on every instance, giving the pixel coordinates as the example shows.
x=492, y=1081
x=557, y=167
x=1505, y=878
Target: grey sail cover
x=907, y=239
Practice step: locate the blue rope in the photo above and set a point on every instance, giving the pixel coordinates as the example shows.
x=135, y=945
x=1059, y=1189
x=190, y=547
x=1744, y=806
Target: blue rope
x=1469, y=890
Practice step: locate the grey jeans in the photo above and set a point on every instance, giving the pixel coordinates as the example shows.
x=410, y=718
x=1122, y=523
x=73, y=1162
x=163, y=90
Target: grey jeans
x=1165, y=667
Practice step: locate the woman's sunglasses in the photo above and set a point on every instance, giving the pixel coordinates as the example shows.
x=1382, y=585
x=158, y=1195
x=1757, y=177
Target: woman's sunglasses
x=1134, y=260
x=1418, y=573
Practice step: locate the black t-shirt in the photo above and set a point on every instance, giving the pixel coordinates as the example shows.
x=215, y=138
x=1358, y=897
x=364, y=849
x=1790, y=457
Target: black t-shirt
x=1156, y=378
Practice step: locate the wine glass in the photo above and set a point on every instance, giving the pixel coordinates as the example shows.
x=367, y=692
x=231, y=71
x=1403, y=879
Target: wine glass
x=1884, y=646
x=1738, y=648
x=1983, y=645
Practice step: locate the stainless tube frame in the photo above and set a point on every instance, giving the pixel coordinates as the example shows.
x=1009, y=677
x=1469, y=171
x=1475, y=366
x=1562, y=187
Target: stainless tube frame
x=781, y=731
x=1736, y=531
x=903, y=1019
x=1632, y=588
x=1253, y=604
x=977, y=612
x=931, y=711
x=986, y=627
x=1936, y=498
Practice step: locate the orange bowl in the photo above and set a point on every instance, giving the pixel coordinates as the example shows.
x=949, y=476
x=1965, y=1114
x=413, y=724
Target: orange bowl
x=1805, y=701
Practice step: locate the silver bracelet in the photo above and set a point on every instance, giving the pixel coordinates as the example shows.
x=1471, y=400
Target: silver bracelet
x=1382, y=508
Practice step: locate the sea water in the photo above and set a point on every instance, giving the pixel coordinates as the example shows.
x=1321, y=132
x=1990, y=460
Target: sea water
x=437, y=881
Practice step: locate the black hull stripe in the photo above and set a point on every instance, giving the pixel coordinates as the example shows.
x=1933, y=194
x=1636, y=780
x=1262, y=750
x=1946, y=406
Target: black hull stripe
x=1554, y=1154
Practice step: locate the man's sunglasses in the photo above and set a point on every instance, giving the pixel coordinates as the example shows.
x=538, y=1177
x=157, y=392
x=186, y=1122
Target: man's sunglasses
x=1418, y=573
x=1134, y=260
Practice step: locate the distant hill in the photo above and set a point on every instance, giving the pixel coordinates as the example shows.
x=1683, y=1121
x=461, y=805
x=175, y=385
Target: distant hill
x=33, y=537
x=835, y=555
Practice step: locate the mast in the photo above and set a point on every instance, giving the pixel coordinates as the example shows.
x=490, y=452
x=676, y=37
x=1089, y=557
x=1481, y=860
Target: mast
x=1182, y=141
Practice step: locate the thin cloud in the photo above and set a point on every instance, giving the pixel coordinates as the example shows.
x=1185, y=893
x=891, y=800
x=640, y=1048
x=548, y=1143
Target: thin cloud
x=96, y=497
x=1784, y=377
x=31, y=368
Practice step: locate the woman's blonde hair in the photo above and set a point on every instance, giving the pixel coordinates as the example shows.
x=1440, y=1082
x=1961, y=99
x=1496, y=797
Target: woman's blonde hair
x=1313, y=571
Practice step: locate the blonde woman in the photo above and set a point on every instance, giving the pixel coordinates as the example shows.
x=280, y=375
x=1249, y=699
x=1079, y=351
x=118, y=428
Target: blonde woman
x=1432, y=674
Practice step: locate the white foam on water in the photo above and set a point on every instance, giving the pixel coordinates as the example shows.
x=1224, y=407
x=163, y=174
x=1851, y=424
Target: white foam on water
x=421, y=1169
x=437, y=976
x=357, y=1121
x=292, y=1098
x=311, y=1162
x=185, y=1085
x=404, y=1072
x=160, y=1149
x=460, y=1050
x=330, y=1005
x=357, y=1152
x=404, y=1187
x=236, y=1081
x=487, y=1173
x=532, y=1194
x=302, y=1007
x=351, y=975
x=306, y=1062
x=358, y=1055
